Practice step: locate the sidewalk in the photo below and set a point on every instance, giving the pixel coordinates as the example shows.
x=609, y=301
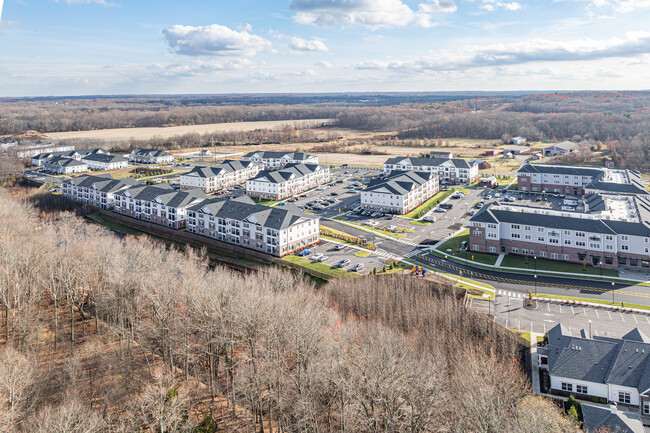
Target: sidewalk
x=534, y=362
x=499, y=260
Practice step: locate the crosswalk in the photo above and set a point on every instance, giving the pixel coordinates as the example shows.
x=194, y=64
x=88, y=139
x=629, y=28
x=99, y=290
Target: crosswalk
x=509, y=294
x=386, y=255
x=407, y=242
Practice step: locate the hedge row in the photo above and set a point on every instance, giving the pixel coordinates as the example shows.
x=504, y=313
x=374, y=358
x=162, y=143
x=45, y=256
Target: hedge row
x=349, y=239
x=433, y=203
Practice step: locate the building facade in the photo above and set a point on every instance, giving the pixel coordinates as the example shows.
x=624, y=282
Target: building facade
x=28, y=151
x=158, y=204
x=560, y=148
x=150, y=156
x=102, y=161
x=224, y=175
x=61, y=165
x=399, y=192
x=450, y=170
x=272, y=230
x=274, y=160
x=613, y=232
x=284, y=183
x=97, y=190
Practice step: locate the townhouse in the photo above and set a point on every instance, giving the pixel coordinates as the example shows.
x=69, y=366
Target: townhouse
x=103, y=161
x=578, y=180
x=73, y=154
x=449, y=170
x=272, y=230
x=292, y=179
x=274, y=160
x=224, y=175
x=61, y=165
x=613, y=231
x=28, y=151
x=150, y=156
x=97, y=190
x=614, y=369
x=159, y=204
x=399, y=192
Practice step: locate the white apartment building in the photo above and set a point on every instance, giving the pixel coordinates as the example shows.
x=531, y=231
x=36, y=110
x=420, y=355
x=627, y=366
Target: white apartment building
x=224, y=175
x=613, y=232
x=274, y=160
x=160, y=204
x=150, y=156
x=73, y=154
x=28, y=151
x=292, y=179
x=449, y=170
x=399, y=192
x=61, y=165
x=102, y=161
x=97, y=190
x=272, y=230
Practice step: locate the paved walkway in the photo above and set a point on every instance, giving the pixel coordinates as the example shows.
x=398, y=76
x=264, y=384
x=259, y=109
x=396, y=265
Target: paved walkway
x=499, y=260
x=534, y=361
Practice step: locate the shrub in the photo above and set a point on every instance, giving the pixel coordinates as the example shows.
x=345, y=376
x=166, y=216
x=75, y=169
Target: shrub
x=603, y=400
x=207, y=425
x=596, y=400
x=573, y=413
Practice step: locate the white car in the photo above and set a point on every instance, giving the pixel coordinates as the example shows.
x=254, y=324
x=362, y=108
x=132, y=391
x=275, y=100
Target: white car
x=429, y=219
x=317, y=257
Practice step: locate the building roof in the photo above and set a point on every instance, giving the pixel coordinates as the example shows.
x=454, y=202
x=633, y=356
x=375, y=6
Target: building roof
x=164, y=194
x=42, y=156
x=103, y=182
x=103, y=157
x=624, y=361
x=602, y=419
x=565, y=145
x=559, y=169
x=289, y=171
x=228, y=166
x=270, y=154
x=244, y=209
x=65, y=162
x=399, y=182
x=430, y=162
x=150, y=153
x=86, y=152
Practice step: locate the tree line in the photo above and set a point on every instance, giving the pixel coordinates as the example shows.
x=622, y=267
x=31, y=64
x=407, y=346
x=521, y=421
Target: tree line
x=101, y=333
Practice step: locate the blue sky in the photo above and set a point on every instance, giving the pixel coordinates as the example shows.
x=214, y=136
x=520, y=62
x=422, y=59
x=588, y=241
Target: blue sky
x=80, y=47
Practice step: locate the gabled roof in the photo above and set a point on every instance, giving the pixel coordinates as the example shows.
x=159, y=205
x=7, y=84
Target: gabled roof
x=150, y=153
x=430, y=162
x=288, y=172
x=269, y=154
x=227, y=166
x=102, y=157
x=64, y=162
x=399, y=182
x=565, y=145
x=602, y=419
x=86, y=152
x=164, y=194
x=103, y=182
x=41, y=156
x=559, y=169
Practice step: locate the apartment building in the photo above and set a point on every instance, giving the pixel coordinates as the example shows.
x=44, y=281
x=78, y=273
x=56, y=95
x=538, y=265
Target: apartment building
x=61, y=165
x=449, y=170
x=97, y=190
x=30, y=150
x=578, y=180
x=612, y=232
x=159, y=204
x=399, y=192
x=103, y=161
x=150, y=156
x=614, y=369
x=73, y=154
x=274, y=160
x=272, y=230
x=292, y=179
x=224, y=175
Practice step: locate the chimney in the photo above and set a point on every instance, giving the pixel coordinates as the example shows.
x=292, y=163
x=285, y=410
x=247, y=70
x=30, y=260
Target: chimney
x=613, y=409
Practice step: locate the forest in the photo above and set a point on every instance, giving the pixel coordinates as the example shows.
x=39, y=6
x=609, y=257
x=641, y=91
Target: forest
x=101, y=333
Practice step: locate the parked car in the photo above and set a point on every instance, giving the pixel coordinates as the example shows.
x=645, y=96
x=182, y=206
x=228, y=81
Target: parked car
x=472, y=212
x=292, y=199
x=303, y=195
x=463, y=245
x=343, y=263
x=511, y=199
x=390, y=217
x=497, y=195
x=282, y=204
x=429, y=219
x=440, y=210
x=446, y=205
x=358, y=267
x=339, y=247
x=304, y=253
x=317, y=257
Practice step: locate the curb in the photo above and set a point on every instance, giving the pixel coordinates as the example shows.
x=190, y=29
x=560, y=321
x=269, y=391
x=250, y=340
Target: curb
x=592, y=304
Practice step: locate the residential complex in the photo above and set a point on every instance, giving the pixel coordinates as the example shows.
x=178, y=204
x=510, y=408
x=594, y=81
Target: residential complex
x=97, y=190
x=150, y=156
x=284, y=183
x=28, y=151
x=61, y=165
x=578, y=180
x=273, y=160
x=159, y=204
x=399, y=192
x=450, y=170
x=617, y=370
x=37, y=160
x=102, y=161
x=611, y=231
x=224, y=175
x=272, y=230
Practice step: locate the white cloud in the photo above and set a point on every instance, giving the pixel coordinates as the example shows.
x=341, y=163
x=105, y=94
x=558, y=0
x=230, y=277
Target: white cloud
x=537, y=50
x=213, y=40
x=300, y=44
x=324, y=64
x=370, y=13
x=492, y=5
x=617, y=5
x=1, y=4
x=75, y=2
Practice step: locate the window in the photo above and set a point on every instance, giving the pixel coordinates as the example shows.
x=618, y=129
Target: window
x=540, y=239
x=554, y=241
x=567, y=242
x=514, y=226
x=540, y=229
x=515, y=250
x=526, y=227
x=524, y=251
x=567, y=387
x=625, y=238
x=542, y=253
x=493, y=250
x=624, y=397
x=478, y=233
x=554, y=256
x=515, y=235
x=565, y=257
x=581, y=389
x=646, y=407
x=625, y=247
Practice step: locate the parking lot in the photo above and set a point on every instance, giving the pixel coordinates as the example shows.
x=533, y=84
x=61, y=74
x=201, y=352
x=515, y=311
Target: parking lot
x=333, y=255
x=559, y=202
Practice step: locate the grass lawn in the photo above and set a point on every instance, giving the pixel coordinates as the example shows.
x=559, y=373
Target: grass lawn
x=595, y=301
x=340, y=233
x=453, y=244
x=381, y=231
x=320, y=267
x=419, y=223
x=341, y=218
x=400, y=267
x=417, y=210
x=362, y=253
x=512, y=261
x=523, y=334
x=265, y=202
x=101, y=219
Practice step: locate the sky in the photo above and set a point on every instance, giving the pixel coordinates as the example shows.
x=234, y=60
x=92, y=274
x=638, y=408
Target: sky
x=104, y=47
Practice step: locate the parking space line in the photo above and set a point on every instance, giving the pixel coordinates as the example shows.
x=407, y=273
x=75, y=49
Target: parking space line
x=572, y=311
x=610, y=316
x=647, y=320
x=637, y=322
x=622, y=318
x=596, y=311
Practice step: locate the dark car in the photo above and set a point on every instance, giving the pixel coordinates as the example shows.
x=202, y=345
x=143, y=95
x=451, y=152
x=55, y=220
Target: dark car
x=334, y=193
x=446, y=205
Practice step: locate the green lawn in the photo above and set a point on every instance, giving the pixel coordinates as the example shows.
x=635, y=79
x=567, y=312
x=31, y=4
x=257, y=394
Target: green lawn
x=523, y=334
x=429, y=204
x=595, y=301
x=320, y=267
x=419, y=223
x=265, y=202
x=512, y=261
x=101, y=219
x=347, y=238
x=453, y=244
x=400, y=267
x=362, y=253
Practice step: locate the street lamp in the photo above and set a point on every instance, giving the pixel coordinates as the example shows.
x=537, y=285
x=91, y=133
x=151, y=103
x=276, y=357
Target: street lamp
x=613, y=293
x=535, y=284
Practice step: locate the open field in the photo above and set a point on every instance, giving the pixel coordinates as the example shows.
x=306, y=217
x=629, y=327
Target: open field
x=125, y=134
